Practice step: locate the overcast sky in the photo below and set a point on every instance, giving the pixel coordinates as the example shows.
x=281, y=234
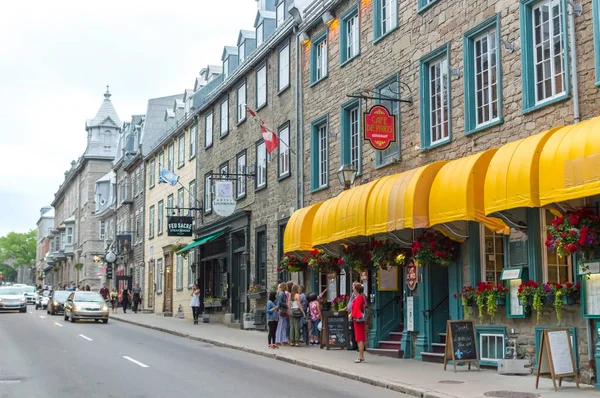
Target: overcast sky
x=56, y=58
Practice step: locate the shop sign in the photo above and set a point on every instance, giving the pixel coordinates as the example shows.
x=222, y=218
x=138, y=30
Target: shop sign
x=109, y=271
x=180, y=226
x=224, y=203
x=379, y=127
x=123, y=244
x=343, y=282
x=410, y=314
x=411, y=274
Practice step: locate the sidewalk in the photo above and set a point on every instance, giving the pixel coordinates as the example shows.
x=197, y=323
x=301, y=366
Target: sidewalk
x=412, y=377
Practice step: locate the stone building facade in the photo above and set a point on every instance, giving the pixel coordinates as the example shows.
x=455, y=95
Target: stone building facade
x=45, y=226
x=472, y=77
x=258, y=86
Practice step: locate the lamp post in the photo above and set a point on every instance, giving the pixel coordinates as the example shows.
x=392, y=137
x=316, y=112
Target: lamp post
x=347, y=174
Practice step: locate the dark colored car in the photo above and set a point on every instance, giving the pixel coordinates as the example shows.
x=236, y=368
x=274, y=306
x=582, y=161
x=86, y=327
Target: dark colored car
x=56, y=304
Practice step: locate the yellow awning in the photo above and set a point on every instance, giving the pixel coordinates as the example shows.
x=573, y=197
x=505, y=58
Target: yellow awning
x=570, y=163
x=512, y=178
x=457, y=192
x=342, y=217
x=402, y=200
x=298, y=231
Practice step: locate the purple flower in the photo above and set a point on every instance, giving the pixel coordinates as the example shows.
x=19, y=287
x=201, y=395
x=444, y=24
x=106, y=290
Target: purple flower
x=547, y=288
x=589, y=240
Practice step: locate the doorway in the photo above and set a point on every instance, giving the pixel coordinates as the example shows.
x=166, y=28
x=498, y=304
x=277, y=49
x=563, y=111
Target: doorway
x=236, y=295
x=168, y=295
x=439, y=309
x=151, y=287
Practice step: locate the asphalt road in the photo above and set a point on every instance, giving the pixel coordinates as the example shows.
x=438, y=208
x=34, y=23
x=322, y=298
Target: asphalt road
x=44, y=356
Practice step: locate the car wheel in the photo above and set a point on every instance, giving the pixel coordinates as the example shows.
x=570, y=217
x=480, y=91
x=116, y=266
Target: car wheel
x=105, y=321
x=23, y=310
x=36, y=307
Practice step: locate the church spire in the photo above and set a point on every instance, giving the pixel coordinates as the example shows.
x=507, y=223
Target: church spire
x=107, y=94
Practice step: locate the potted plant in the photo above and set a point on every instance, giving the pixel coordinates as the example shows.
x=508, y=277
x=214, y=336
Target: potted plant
x=290, y=263
x=525, y=293
x=496, y=296
x=570, y=293
x=467, y=296
x=357, y=257
x=78, y=266
x=387, y=253
x=340, y=302
x=256, y=292
x=563, y=294
x=320, y=261
x=176, y=247
x=539, y=295
x=325, y=305
x=578, y=231
x=481, y=298
x=431, y=247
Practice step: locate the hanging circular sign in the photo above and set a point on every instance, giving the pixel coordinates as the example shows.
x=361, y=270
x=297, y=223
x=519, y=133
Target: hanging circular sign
x=411, y=274
x=110, y=257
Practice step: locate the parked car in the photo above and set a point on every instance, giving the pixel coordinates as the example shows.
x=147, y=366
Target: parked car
x=12, y=299
x=30, y=294
x=42, y=301
x=86, y=305
x=56, y=302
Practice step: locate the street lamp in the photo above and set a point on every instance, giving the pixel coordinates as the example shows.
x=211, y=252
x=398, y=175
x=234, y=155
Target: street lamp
x=346, y=174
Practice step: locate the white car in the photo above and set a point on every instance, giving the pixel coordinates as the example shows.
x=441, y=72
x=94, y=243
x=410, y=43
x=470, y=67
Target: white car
x=42, y=301
x=12, y=299
x=30, y=294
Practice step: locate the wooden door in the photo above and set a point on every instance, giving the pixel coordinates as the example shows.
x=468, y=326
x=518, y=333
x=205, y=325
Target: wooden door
x=168, y=303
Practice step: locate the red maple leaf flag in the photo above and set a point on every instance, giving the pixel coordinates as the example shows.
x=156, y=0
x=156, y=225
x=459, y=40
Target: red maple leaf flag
x=251, y=112
x=271, y=139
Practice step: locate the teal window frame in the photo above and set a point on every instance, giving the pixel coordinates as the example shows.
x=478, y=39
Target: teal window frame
x=523, y=277
x=487, y=330
x=423, y=5
x=315, y=185
x=319, y=38
x=538, y=339
x=378, y=35
x=527, y=60
x=353, y=12
x=346, y=144
x=596, y=29
x=583, y=280
x=424, y=107
x=469, y=68
x=379, y=157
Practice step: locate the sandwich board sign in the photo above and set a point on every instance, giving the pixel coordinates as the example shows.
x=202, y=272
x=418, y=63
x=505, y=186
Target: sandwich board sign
x=556, y=357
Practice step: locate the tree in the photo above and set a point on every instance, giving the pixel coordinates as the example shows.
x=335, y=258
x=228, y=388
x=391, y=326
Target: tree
x=16, y=249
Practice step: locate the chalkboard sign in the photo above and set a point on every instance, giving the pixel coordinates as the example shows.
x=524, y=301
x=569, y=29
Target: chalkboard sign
x=461, y=343
x=335, y=330
x=556, y=357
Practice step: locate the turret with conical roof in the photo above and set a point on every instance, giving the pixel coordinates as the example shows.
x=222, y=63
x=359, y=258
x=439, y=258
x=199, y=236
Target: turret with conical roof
x=103, y=130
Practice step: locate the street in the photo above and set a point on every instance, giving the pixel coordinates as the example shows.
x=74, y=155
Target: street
x=44, y=356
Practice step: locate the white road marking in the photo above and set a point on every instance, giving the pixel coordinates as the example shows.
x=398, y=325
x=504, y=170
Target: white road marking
x=43, y=317
x=85, y=337
x=31, y=312
x=58, y=324
x=136, y=362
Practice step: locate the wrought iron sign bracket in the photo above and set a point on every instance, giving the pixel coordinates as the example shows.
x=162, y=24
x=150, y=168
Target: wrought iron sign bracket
x=232, y=176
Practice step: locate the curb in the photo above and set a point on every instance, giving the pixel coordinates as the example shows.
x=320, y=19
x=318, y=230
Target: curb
x=394, y=386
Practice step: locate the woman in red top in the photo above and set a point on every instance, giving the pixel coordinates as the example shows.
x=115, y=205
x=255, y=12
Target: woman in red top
x=358, y=310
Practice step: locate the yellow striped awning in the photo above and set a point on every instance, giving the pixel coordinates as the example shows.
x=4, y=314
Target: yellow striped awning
x=512, y=178
x=570, y=163
x=457, y=192
x=297, y=236
x=342, y=217
x=401, y=201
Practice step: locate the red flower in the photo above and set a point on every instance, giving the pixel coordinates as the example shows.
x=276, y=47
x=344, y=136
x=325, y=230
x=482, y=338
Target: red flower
x=455, y=296
x=437, y=253
x=278, y=269
x=433, y=245
x=314, y=252
x=568, y=284
x=574, y=220
x=340, y=261
x=572, y=233
x=578, y=286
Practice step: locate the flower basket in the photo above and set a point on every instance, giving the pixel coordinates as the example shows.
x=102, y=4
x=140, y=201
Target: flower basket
x=256, y=292
x=357, y=257
x=291, y=263
x=568, y=300
x=467, y=298
x=387, y=253
x=340, y=302
x=320, y=261
x=548, y=299
x=500, y=302
x=431, y=247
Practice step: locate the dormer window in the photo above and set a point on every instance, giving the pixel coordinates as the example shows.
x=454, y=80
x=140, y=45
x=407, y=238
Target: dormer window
x=280, y=12
x=242, y=52
x=226, y=68
x=259, y=35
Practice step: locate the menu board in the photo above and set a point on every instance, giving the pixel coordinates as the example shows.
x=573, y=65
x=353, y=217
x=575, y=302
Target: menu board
x=556, y=356
x=387, y=279
x=461, y=343
x=335, y=329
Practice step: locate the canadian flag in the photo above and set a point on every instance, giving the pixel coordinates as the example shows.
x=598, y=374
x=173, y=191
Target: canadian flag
x=271, y=139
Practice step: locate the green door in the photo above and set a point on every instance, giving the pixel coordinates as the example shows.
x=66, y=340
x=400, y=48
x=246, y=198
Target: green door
x=439, y=309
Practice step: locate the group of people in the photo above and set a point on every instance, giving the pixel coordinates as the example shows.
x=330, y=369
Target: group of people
x=289, y=311
x=125, y=297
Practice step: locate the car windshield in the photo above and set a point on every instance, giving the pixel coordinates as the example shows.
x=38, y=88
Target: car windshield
x=28, y=289
x=10, y=292
x=88, y=297
x=46, y=293
x=61, y=295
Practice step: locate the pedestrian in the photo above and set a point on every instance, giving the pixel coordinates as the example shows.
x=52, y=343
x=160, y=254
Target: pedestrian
x=296, y=315
x=88, y=288
x=288, y=291
x=104, y=292
x=314, y=310
x=125, y=297
x=137, y=296
x=353, y=346
x=195, y=303
x=304, y=320
x=358, y=317
x=282, y=308
x=272, y=319
x=114, y=300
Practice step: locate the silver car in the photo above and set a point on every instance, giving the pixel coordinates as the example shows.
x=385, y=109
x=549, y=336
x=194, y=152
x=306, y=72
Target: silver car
x=86, y=305
x=30, y=294
x=12, y=299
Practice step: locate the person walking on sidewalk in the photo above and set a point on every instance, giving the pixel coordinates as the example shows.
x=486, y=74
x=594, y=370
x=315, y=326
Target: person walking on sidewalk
x=296, y=316
x=104, y=292
x=304, y=320
x=282, y=307
x=359, y=305
x=114, y=296
x=314, y=310
x=137, y=296
x=272, y=319
x=125, y=297
x=195, y=303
